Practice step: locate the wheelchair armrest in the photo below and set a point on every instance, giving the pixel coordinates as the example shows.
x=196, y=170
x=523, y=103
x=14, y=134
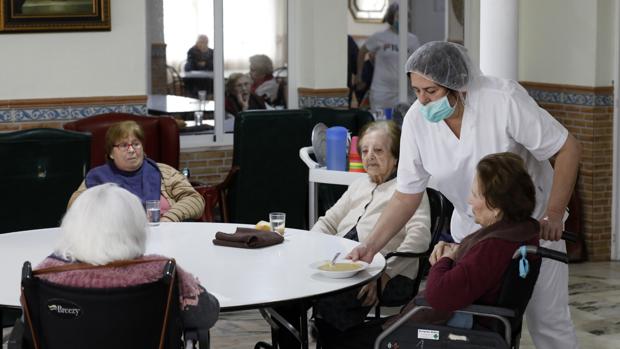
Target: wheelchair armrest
x=569, y=236
x=543, y=252
x=476, y=309
x=484, y=310
x=406, y=254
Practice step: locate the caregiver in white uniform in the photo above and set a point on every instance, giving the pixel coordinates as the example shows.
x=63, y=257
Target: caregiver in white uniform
x=461, y=116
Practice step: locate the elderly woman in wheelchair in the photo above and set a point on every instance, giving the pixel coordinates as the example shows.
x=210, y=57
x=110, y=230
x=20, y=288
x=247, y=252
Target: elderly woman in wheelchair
x=502, y=199
x=102, y=246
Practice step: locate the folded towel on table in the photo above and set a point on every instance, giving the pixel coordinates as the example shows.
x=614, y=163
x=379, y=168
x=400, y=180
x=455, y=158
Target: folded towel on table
x=248, y=238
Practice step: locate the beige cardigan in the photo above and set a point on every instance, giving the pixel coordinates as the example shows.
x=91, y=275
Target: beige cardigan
x=367, y=200
x=185, y=202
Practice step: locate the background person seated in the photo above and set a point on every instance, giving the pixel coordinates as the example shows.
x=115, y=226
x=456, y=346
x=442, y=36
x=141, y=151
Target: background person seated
x=129, y=167
x=264, y=85
x=107, y=224
x=502, y=201
x=353, y=217
x=239, y=96
x=200, y=56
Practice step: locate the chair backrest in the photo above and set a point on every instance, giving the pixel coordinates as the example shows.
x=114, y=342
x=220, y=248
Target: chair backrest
x=40, y=170
x=174, y=83
x=130, y=317
x=441, y=211
x=161, y=135
x=515, y=293
x=271, y=175
x=216, y=196
x=352, y=119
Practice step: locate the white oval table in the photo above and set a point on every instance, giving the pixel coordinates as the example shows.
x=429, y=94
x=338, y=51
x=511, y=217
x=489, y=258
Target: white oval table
x=239, y=278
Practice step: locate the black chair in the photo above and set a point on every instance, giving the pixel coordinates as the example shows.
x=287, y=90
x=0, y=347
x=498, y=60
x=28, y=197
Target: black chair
x=40, y=170
x=505, y=317
x=441, y=212
x=142, y=316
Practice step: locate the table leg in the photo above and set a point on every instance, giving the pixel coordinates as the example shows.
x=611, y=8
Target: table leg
x=269, y=314
x=313, y=205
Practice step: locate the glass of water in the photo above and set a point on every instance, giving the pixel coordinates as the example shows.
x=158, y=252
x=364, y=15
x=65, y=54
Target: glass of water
x=152, y=212
x=197, y=118
x=277, y=220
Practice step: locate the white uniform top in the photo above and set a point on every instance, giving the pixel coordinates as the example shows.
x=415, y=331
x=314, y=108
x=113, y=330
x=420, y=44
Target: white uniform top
x=384, y=86
x=499, y=116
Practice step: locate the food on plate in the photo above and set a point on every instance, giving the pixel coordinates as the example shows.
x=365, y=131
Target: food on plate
x=340, y=266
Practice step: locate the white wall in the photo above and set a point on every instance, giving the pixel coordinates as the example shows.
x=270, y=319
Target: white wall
x=322, y=43
x=82, y=64
x=606, y=38
x=427, y=19
x=557, y=41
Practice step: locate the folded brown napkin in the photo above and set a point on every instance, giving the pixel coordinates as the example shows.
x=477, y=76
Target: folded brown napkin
x=248, y=238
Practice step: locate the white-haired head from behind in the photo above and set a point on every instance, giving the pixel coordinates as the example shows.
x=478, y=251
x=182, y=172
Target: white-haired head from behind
x=106, y=223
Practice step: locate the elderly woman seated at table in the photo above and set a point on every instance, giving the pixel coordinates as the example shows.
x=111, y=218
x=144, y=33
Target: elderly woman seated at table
x=502, y=200
x=129, y=167
x=353, y=217
x=107, y=224
x=263, y=82
x=239, y=96
x=357, y=211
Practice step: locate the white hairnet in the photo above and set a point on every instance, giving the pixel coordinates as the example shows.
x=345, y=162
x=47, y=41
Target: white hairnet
x=445, y=63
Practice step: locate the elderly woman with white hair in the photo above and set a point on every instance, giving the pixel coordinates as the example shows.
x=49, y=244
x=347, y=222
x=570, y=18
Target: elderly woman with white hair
x=88, y=235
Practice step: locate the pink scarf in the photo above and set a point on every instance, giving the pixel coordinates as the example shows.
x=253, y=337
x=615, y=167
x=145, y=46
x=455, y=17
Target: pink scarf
x=131, y=275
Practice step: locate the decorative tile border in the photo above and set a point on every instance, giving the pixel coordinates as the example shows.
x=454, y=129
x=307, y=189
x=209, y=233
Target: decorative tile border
x=331, y=98
x=68, y=109
x=573, y=95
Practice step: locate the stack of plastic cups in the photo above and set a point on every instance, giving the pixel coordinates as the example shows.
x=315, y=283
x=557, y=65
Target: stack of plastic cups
x=355, y=160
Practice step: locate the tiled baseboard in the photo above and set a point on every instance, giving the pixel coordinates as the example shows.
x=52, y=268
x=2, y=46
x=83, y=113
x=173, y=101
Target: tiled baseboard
x=64, y=109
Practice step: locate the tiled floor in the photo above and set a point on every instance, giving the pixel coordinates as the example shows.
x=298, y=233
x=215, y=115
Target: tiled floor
x=594, y=301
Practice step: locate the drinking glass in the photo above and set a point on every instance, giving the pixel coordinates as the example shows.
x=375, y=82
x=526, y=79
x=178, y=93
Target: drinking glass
x=152, y=212
x=277, y=220
x=379, y=115
x=198, y=118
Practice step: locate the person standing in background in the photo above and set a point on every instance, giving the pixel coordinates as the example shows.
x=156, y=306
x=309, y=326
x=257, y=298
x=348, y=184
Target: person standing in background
x=383, y=48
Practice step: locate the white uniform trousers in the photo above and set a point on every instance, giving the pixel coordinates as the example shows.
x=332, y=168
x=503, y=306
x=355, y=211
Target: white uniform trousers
x=548, y=314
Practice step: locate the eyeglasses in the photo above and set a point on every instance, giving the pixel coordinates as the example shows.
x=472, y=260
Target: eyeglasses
x=125, y=146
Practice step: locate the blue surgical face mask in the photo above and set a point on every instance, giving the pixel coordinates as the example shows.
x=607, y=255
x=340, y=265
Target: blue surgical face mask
x=437, y=110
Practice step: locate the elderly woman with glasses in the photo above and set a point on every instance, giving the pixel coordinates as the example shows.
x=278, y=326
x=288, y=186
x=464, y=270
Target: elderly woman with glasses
x=129, y=167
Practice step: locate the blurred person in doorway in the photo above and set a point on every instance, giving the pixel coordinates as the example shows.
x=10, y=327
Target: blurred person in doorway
x=383, y=47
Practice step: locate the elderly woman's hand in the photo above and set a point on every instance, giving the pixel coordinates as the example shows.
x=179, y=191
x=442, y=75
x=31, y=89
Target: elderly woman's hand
x=443, y=249
x=368, y=293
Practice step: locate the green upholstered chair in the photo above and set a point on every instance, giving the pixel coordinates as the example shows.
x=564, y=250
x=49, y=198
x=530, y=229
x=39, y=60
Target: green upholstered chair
x=271, y=175
x=40, y=170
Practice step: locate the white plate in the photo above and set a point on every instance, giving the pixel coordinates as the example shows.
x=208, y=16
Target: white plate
x=339, y=274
